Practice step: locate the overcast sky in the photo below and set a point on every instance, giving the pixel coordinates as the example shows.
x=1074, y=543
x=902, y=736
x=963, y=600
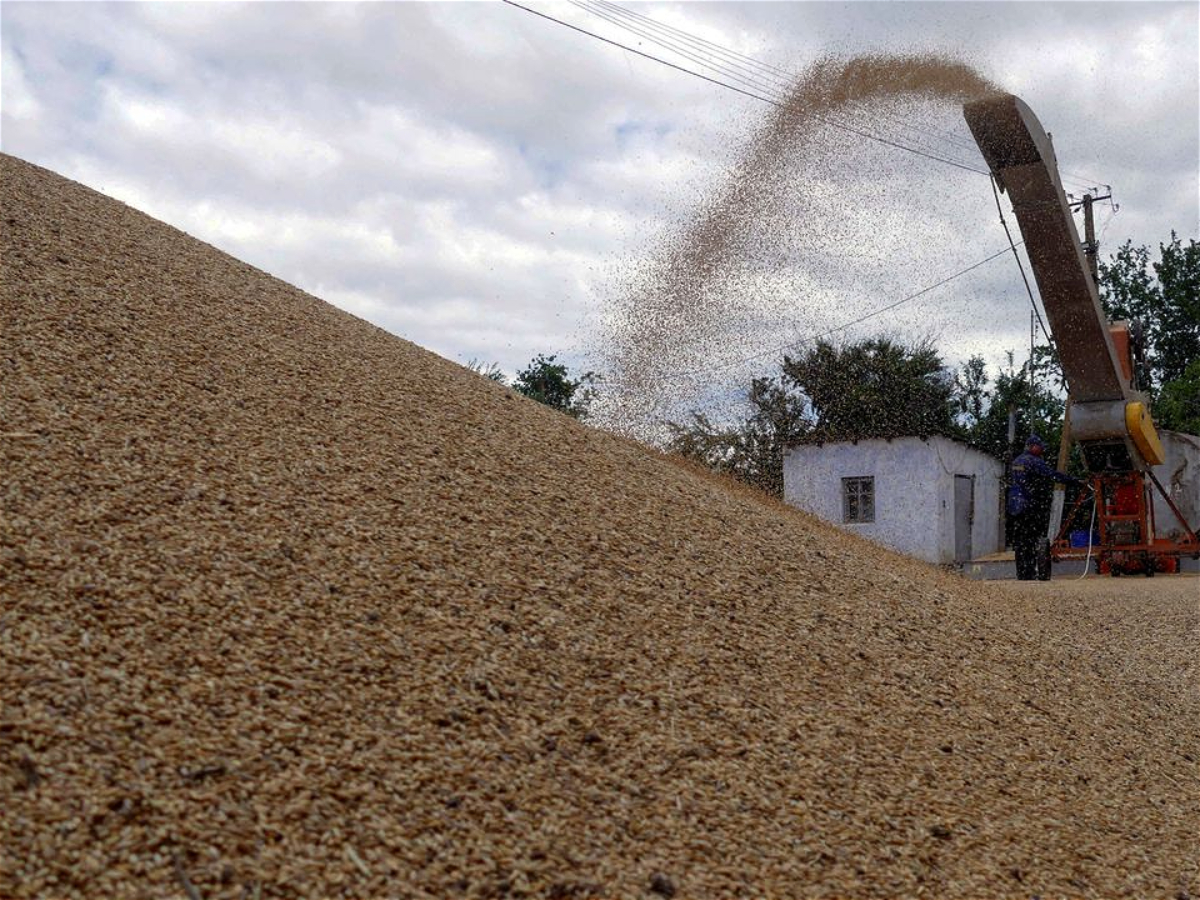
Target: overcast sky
x=481, y=181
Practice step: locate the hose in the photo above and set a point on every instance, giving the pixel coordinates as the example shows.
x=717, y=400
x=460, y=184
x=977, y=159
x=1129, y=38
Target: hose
x=1087, y=563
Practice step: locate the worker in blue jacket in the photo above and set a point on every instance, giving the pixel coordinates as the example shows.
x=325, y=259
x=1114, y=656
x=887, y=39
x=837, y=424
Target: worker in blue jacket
x=1030, y=494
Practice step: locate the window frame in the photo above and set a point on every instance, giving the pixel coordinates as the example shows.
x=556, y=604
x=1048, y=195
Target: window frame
x=856, y=489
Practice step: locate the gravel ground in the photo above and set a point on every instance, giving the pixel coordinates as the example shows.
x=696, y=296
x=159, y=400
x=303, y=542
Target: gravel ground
x=291, y=607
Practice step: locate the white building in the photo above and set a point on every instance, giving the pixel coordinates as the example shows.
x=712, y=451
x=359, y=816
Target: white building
x=932, y=498
x=1180, y=477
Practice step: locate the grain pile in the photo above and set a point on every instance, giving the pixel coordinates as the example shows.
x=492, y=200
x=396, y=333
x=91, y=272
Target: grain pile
x=753, y=263
x=292, y=607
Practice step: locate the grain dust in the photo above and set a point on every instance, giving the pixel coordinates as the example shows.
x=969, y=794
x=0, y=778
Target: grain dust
x=723, y=285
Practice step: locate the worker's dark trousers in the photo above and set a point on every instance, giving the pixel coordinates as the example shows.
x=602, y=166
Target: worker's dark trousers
x=1033, y=550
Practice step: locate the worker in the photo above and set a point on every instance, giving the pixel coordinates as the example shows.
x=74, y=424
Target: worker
x=1030, y=492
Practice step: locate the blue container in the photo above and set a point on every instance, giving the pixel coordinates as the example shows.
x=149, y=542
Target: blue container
x=1080, y=538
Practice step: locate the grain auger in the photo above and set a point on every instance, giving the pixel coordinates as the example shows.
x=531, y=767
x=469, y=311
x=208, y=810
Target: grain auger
x=1110, y=418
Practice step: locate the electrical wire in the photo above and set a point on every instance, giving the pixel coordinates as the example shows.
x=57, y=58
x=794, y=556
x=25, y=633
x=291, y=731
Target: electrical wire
x=629, y=49
x=783, y=79
x=736, y=71
x=1108, y=221
x=1021, y=266
x=809, y=341
x=743, y=91
x=666, y=43
x=747, y=64
x=745, y=76
x=1087, y=563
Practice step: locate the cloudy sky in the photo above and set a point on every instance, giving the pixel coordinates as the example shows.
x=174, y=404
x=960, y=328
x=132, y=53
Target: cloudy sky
x=484, y=182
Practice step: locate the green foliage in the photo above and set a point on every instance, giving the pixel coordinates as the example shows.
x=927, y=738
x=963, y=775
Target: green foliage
x=778, y=419
x=1041, y=413
x=1165, y=297
x=550, y=383
x=878, y=388
x=700, y=440
x=1175, y=335
x=1047, y=370
x=970, y=395
x=1178, y=405
x=753, y=449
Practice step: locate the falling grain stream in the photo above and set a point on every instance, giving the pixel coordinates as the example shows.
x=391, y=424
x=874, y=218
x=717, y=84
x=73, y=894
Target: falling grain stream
x=690, y=299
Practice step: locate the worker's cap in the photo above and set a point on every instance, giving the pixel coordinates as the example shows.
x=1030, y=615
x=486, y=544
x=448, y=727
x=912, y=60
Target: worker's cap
x=1034, y=441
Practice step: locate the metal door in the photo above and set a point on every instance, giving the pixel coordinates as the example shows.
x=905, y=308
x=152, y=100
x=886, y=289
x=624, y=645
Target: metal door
x=964, y=516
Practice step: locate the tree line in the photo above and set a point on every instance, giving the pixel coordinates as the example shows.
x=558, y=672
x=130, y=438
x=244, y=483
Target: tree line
x=884, y=388
x=547, y=381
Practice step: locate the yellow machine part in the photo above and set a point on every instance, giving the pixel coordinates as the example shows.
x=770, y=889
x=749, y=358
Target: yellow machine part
x=1141, y=429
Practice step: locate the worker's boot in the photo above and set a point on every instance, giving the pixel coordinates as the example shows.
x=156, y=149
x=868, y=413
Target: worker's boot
x=1043, y=559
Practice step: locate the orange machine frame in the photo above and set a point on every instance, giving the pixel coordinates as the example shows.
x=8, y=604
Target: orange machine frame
x=1125, y=528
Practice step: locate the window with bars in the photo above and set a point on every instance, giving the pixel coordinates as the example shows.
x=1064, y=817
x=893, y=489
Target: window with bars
x=858, y=499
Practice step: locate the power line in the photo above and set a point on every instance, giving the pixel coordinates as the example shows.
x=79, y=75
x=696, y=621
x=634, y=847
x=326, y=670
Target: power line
x=842, y=327
x=1021, y=266
x=671, y=65
x=743, y=91
x=736, y=70
x=666, y=43
x=747, y=64
x=783, y=78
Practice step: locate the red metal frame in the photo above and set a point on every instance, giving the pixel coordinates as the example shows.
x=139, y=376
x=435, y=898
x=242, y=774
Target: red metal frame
x=1128, y=537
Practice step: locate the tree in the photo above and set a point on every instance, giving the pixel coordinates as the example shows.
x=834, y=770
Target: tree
x=970, y=397
x=1038, y=411
x=1165, y=297
x=877, y=388
x=1176, y=332
x=751, y=450
x=550, y=383
x=777, y=420
x=1128, y=291
x=700, y=440
x=1178, y=404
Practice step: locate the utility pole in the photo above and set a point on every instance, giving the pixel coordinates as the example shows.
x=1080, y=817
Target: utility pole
x=1091, y=248
x=1032, y=370
x=1089, y=238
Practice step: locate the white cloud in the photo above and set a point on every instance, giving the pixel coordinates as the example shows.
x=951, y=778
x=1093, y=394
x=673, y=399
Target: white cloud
x=262, y=147
x=481, y=181
x=17, y=101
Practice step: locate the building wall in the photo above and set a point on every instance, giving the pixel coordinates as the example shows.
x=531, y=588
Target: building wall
x=914, y=491
x=1180, y=476
x=987, y=533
